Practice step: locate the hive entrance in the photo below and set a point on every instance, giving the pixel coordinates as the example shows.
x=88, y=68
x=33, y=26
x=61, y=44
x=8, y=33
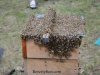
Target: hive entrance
x=63, y=32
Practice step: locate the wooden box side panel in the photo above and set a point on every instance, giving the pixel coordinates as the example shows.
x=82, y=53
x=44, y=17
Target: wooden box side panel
x=51, y=67
x=34, y=51
x=24, y=49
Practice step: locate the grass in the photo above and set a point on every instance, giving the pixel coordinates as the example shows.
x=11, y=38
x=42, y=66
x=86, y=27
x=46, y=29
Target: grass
x=14, y=14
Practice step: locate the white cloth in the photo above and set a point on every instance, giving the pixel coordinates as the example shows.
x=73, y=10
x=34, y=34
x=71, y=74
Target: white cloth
x=32, y=3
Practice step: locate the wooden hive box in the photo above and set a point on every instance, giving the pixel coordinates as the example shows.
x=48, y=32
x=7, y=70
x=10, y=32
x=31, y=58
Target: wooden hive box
x=40, y=60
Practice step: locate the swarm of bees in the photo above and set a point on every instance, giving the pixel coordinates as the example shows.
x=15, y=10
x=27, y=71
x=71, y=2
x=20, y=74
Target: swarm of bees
x=65, y=32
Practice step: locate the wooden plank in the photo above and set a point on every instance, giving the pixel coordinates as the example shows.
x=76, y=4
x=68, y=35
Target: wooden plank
x=25, y=67
x=24, y=48
x=34, y=51
x=51, y=67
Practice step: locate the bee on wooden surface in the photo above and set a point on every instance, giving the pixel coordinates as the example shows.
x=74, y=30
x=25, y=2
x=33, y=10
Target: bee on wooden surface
x=64, y=32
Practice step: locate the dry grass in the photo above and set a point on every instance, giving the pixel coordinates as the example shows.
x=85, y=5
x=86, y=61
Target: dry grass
x=14, y=15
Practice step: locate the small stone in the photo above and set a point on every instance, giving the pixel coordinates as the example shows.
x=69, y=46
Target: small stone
x=19, y=68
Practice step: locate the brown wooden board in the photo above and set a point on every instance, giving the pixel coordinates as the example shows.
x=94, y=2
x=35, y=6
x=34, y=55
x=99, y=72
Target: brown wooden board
x=34, y=51
x=24, y=49
x=50, y=67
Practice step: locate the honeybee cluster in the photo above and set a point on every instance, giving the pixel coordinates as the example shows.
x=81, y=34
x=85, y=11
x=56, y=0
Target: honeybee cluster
x=65, y=32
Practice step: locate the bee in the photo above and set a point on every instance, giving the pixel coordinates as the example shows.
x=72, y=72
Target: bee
x=63, y=30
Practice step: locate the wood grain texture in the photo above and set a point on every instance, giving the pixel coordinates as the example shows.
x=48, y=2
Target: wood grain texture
x=50, y=67
x=34, y=51
x=24, y=48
